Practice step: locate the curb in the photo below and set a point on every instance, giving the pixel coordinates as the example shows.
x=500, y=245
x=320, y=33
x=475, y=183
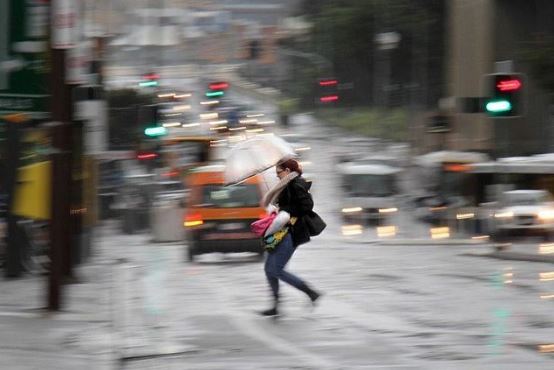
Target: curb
x=433, y=242
x=416, y=242
x=514, y=256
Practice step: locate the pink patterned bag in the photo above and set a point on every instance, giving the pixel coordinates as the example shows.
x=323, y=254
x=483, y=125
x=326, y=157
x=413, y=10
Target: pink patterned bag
x=260, y=226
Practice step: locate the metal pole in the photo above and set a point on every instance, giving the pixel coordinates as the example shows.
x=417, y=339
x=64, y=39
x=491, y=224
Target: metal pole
x=59, y=165
x=60, y=231
x=62, y=142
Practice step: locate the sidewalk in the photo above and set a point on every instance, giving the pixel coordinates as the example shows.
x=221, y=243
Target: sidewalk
x=77, y=337
x=103, y=321
x=108, y=318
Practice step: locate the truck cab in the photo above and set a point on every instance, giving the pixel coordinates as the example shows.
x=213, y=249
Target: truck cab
x=370, y=192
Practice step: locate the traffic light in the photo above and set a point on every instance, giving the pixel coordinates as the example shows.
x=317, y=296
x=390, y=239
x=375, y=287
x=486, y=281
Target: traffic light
x=149, y=121
x=219, y=85
x=150, y=80
x=505, y=95
x=328, y=90
x=155, y=131
x=217, y=89
x=145, y=155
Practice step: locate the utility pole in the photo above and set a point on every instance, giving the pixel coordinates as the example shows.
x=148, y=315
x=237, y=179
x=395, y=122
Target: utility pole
x=63, y=17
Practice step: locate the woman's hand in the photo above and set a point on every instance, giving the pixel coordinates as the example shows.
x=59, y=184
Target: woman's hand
x=272, y=208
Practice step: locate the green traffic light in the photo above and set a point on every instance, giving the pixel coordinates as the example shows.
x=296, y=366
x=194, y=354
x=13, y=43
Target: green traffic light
x=148, y=83
x=214, y=94
x=155, y=131
x=498, y=106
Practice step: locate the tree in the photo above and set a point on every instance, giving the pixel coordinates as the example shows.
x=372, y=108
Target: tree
x=343, y=32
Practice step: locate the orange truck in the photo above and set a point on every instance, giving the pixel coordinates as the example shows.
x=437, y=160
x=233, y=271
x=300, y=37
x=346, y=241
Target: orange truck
x=217, y=217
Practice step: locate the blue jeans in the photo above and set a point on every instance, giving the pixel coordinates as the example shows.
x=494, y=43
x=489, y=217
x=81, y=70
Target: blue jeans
x=275, y=264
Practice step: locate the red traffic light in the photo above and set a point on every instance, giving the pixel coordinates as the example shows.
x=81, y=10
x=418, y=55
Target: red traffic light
x=151, y=76
x=218, y=85
x=329, y=98
x=146, y=155
x=508, y=85
x=328, y=83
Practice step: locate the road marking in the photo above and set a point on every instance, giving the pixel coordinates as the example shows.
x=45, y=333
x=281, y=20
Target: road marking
x=251, y=327
x=245, y=324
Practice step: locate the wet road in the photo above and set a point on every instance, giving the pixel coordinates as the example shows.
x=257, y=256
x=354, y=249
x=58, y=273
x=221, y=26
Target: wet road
x=385, y=306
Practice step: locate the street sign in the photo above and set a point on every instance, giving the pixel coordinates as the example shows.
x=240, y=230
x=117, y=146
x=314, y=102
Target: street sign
x=64, y=24
x=93, y=113
x=24, y=57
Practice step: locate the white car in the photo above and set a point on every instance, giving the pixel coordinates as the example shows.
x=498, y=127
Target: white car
x=525, y=212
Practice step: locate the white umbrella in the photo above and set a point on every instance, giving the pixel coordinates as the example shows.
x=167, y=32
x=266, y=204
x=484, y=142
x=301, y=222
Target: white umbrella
x=255, y=155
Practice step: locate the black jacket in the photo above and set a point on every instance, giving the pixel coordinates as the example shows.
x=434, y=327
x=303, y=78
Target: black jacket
x=297, y=201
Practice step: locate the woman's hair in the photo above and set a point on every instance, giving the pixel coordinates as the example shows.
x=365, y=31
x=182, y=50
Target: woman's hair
x=292, y=165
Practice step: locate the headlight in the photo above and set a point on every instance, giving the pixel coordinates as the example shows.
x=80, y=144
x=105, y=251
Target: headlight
x=349, y=230
x=386, y=231
x=388, y=210
x=352, y=210
x=465, y=216
x=546, y=215
x=507, y=214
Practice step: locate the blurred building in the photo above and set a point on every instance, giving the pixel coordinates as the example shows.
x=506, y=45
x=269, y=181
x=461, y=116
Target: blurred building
x=186, y=31
x=482, y=32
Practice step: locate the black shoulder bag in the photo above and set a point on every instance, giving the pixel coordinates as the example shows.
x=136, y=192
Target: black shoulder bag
x=314, y=223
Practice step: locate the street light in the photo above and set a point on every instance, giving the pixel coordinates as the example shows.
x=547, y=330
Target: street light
x=386, y=41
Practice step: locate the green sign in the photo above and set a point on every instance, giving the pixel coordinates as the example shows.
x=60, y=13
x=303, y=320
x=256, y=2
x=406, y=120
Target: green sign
x=24, y=56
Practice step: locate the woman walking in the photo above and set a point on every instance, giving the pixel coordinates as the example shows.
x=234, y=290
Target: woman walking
x=290, y=194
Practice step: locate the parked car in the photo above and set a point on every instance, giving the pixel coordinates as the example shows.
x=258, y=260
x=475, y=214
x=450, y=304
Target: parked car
x=524, y=212
x=218, y=218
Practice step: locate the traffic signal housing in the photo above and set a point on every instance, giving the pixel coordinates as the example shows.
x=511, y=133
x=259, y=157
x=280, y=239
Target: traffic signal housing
x=328, y=90
x=150, y=80
x=149, y=121
x=505, y=95
x=216, y=89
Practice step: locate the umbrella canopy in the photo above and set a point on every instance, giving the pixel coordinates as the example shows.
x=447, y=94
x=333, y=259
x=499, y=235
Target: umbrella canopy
x=255, y=155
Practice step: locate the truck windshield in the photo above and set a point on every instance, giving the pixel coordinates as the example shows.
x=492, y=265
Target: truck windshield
x=533, y=199
x=370, y=185
x=218, y=196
